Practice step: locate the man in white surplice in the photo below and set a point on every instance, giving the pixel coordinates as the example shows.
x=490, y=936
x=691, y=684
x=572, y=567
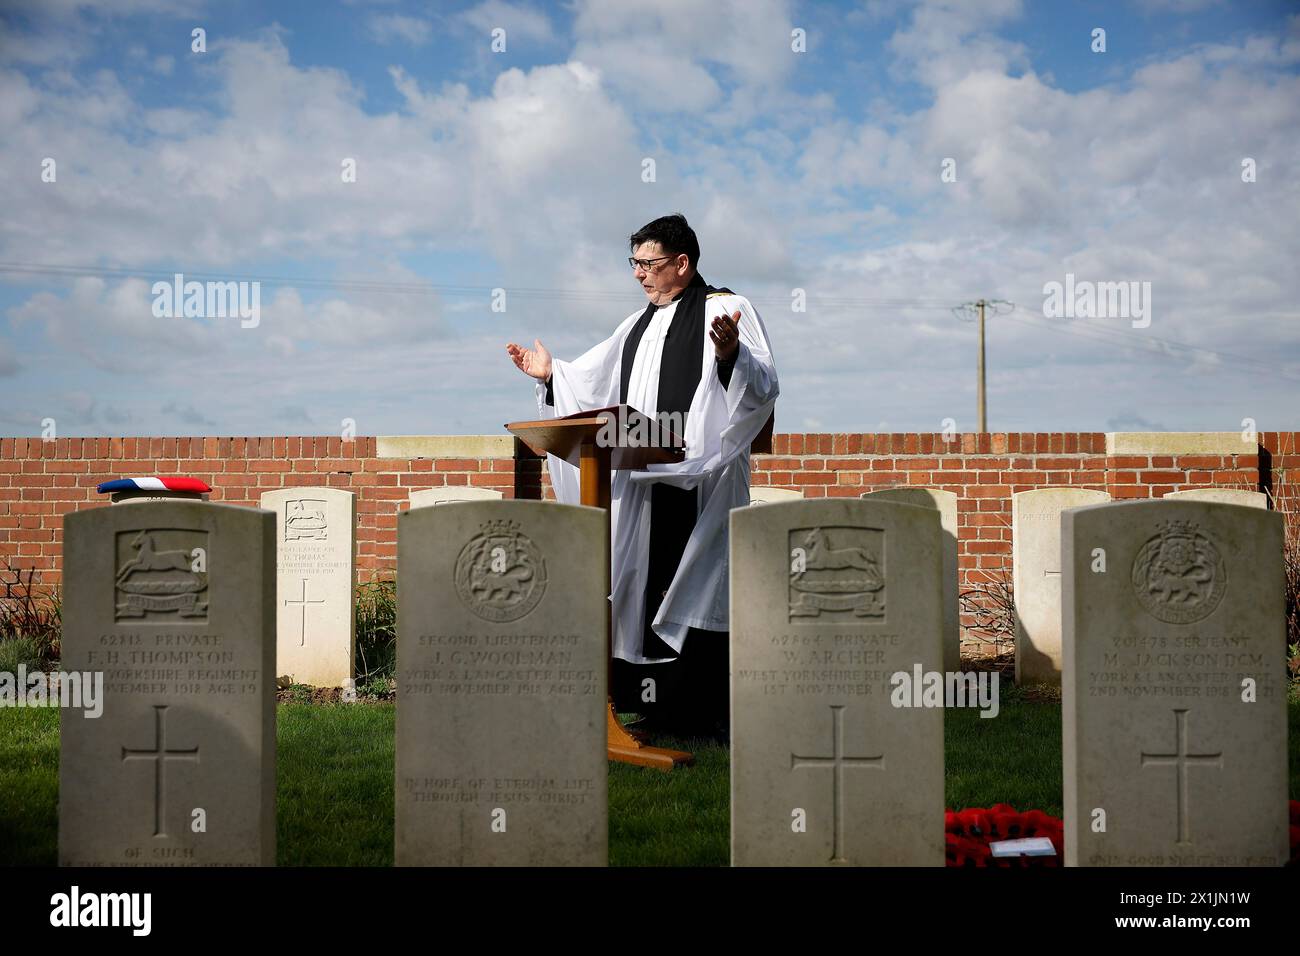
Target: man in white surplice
x=670, y=522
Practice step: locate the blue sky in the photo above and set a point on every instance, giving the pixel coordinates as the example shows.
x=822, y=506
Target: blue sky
x=522, y=170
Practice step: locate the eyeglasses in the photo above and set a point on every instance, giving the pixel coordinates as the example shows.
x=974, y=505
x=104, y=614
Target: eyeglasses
x=646, y=264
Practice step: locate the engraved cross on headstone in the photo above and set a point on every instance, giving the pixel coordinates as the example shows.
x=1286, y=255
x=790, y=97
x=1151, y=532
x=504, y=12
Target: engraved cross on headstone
x=159, y=755
x=836, y=762
x=302, y=603
x=1181, y=758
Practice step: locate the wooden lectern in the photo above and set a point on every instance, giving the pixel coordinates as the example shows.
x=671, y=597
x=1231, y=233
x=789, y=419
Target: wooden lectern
x=573, y=438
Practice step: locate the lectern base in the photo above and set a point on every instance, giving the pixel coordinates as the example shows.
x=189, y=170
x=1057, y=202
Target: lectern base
x=626, y=747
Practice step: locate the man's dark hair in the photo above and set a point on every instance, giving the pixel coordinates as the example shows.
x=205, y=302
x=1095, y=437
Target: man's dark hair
x=673, y=233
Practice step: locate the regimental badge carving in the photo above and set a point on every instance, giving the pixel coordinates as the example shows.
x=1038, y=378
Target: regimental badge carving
x=1178, y=575
x=162, y=575
x=837, y=573
x=304, y=519
x=500, y=574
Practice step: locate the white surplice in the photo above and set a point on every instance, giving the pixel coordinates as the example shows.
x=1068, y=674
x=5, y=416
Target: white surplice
x=720, y=426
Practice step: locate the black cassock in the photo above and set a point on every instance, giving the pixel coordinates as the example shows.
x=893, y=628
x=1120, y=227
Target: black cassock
x=691, y=692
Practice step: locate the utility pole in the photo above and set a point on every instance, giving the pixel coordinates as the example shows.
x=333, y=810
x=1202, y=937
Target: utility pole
x=997, y=306
x=981, y=408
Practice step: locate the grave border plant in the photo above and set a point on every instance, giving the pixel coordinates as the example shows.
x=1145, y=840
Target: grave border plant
x=31, y=620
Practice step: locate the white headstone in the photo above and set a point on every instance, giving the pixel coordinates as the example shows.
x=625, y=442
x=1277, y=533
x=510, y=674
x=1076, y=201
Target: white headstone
x=1224, y=496
x=316, y=601
x=501, y=688
x=830, y=599
x=172, y=601
x=764, y=495
x=946, y=502
x=1174, y=712
x=139, y=495
x=441, y=496
x=1036, y=577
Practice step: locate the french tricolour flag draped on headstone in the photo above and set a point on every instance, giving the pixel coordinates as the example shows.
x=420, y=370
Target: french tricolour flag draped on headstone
x=167, y=483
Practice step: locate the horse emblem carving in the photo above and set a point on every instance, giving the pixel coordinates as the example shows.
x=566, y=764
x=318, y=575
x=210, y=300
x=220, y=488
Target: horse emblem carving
x=304, y=518
x=159, y=582
x=837, y=572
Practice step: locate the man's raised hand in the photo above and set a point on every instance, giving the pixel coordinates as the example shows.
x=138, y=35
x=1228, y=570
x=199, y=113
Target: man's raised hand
x=535, y=361
x=726, y=336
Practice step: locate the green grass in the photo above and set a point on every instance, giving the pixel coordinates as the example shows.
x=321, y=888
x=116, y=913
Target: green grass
x=29, y=786
x=334, y=769
x=679, y=818
x=335, y=782
x=1013, y=758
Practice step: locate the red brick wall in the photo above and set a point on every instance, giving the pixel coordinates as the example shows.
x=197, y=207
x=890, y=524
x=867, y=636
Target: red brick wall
x=984, y=471
x=1280, y=472
x=40, y=481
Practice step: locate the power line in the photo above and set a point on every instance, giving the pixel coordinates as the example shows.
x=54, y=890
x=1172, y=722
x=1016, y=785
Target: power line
x=420, y=288
x=1099, y=334
x=1144, y=342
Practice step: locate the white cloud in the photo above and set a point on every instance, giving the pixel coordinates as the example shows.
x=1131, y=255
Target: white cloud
x=394, y=27
x=519, y=21
x=111, y=325
x=53, y=33
x=9, y=361
x=672, y=56
x=947, y=39
x=188, y=415
x=1178, y=6
x=58, y=9
x=538, y=176
x=264, y=178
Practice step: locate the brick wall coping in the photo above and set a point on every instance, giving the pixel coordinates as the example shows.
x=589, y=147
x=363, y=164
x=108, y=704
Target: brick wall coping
x=445, y=446
x=1117, y=443
x=1179, y=443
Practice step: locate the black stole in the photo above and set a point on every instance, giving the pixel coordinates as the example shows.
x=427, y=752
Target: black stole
x=680, y=367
